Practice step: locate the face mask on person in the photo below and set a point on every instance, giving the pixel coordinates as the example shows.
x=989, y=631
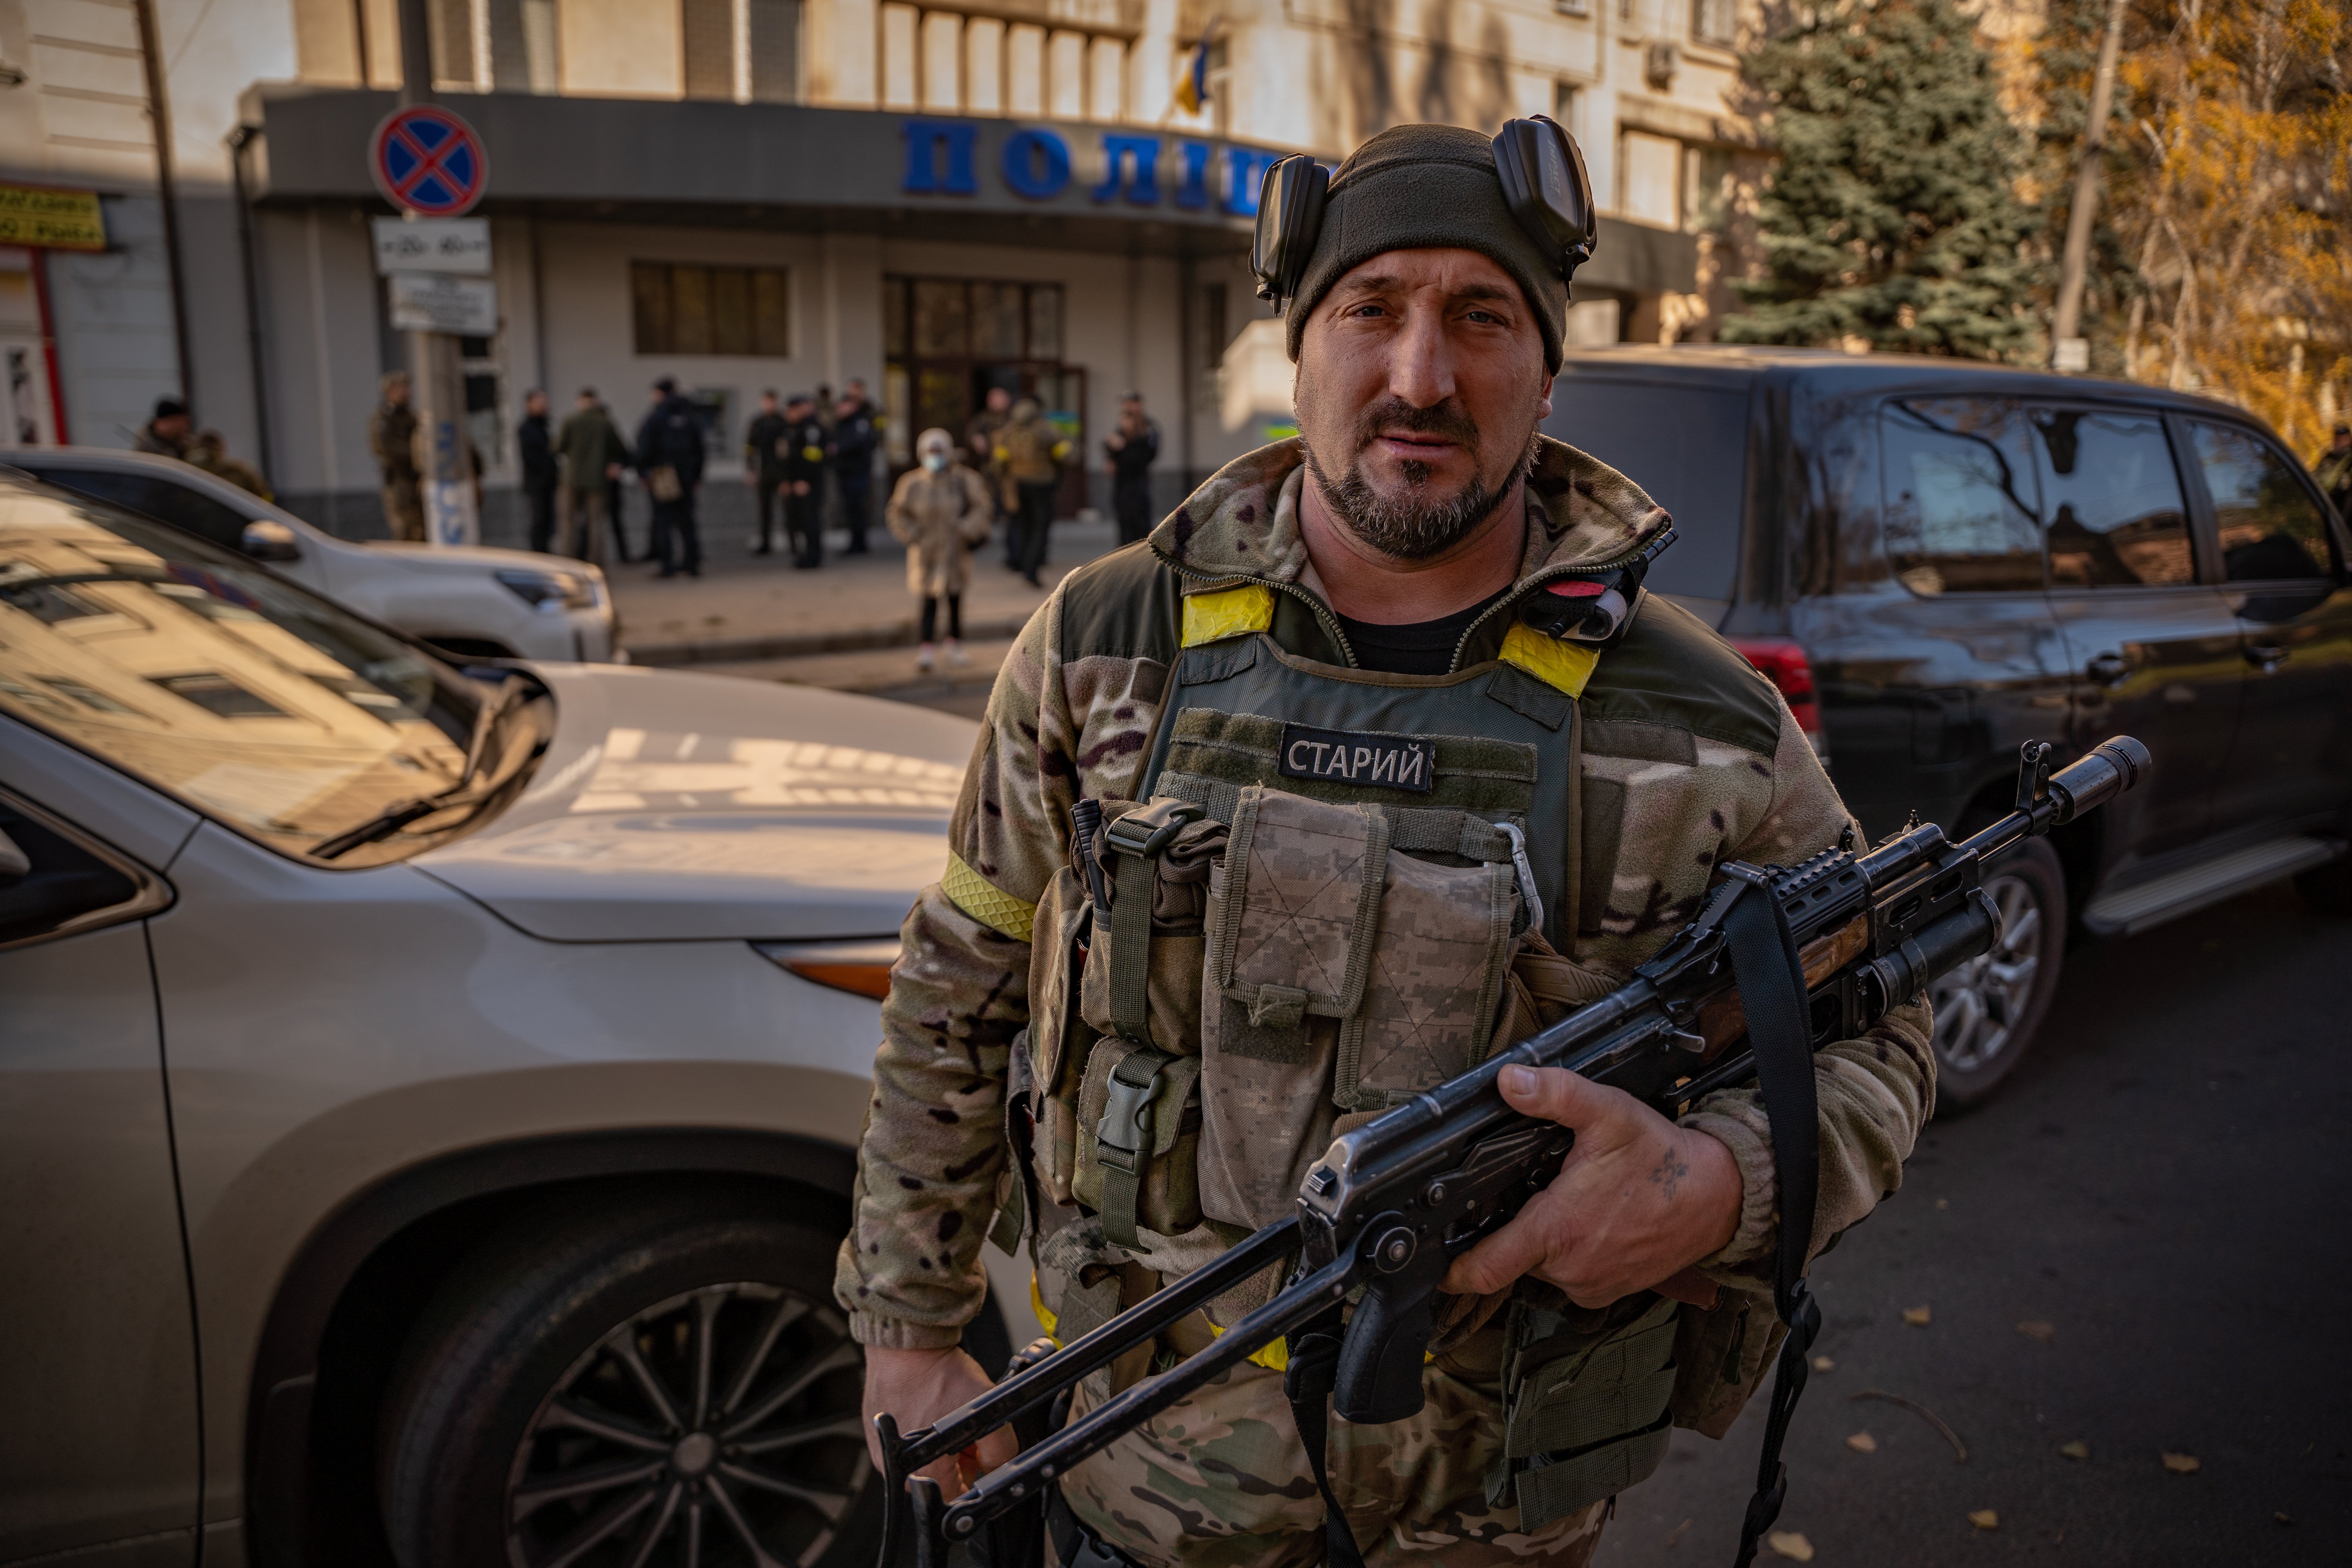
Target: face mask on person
x=936, y=460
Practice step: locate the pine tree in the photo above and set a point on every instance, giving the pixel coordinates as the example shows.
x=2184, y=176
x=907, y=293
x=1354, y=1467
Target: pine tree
x=1894, y=214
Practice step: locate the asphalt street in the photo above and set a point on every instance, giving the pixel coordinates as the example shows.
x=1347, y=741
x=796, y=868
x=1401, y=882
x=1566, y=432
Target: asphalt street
x=2161, y=1197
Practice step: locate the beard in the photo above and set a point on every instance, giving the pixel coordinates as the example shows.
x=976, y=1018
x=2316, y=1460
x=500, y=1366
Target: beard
x=1413, y=525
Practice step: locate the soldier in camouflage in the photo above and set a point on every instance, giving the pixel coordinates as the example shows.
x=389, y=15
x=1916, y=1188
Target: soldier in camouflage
x=1379, y=565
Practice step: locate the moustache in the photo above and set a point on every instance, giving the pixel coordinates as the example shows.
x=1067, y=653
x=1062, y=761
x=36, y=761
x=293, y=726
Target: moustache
x=1393, y=413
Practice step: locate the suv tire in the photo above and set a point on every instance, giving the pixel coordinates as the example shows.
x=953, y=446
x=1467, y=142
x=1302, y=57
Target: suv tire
x=548, y=1393
x=1988, y=1010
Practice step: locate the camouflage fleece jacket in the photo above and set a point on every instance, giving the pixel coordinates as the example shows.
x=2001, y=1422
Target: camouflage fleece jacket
x=1675, y=781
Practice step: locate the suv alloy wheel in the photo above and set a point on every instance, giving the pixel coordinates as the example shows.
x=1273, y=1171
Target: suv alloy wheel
x=1988, y=1009
x=668, y=1386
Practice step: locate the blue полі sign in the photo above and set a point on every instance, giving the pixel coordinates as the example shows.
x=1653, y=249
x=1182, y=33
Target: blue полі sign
x=427, y=161
x=942, y=161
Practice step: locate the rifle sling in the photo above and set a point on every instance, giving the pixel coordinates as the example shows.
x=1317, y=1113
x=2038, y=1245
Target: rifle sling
x=1308, y=1380
x=1772, y=990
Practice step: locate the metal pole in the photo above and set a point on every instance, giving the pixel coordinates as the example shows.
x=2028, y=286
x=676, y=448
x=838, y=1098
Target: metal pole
x=238, y=141
x=159, y=118
x=437, y=385
x=2069, y=349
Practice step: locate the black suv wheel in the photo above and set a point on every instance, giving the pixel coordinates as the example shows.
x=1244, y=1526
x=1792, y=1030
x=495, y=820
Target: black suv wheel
x=1988, y=1009
x=666, y=1386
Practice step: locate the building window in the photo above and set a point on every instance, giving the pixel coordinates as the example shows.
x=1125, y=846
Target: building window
x=946, y=62
x=1649, y=182
x=1706, y=188
x=740, y=51
x=683, y=309
x=1563, y=105
x=1572, y=7
x=1714, y=22
x=484, y=46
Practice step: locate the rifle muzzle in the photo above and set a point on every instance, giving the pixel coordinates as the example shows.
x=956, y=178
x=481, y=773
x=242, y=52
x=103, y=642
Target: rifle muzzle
x=2109, y=769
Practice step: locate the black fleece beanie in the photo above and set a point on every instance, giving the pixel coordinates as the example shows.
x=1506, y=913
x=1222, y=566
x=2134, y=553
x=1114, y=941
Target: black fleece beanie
x=1422, y=187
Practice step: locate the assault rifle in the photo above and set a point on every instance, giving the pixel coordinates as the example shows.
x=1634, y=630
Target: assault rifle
x=1785, y=960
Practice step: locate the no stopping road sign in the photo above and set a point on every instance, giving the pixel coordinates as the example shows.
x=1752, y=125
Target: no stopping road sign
x=427, y=161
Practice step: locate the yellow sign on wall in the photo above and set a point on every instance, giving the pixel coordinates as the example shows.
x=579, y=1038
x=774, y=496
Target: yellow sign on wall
x=58, y=220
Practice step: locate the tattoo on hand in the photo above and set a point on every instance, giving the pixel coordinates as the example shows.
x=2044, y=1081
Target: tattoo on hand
x=1670, y=1174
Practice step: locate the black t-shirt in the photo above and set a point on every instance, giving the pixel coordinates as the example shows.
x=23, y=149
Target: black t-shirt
x=1416, y=647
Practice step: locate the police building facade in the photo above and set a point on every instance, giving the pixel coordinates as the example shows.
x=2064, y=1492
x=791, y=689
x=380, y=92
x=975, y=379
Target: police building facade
x=754, y=194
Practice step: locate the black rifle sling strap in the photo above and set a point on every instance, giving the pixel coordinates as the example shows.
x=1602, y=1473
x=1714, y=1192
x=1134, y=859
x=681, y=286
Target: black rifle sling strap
x=1773, y=993
x=1308, y=1380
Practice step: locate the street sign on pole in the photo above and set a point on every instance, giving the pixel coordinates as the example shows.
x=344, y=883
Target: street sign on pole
x=436, y=302
x=428, y=162
x=431, y=245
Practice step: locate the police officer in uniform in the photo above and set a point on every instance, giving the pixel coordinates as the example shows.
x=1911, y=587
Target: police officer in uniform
x=764, y=469
x=1436, y=769
x=802, y=446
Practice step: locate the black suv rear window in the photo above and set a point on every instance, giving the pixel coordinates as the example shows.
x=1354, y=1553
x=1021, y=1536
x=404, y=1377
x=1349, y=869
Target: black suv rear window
x=1687, y=445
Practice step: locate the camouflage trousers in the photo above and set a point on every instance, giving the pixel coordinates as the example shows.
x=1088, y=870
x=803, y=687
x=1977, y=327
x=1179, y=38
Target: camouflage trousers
x=1221, y=1481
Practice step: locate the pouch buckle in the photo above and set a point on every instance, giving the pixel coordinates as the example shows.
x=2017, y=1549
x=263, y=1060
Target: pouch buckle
x=1144, y=833
x=1123, y=1137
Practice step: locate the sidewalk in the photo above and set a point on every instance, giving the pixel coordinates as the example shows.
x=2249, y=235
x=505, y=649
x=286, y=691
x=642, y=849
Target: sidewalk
x=751, y=612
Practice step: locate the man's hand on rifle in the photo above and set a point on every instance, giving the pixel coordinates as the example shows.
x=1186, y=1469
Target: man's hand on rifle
x=1637, y=1202
x=918, y=1387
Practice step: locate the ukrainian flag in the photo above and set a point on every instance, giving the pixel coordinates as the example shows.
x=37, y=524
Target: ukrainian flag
x=1193, y=88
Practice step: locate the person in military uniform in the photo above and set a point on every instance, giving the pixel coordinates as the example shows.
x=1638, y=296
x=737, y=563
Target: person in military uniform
x=391, y=437
x=802, y=446
x=855, y=430
x=764, y=469
x=1418, y=818
x=1031, y=452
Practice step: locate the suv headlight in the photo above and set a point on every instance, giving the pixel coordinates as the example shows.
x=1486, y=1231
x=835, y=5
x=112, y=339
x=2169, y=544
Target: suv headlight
x=552, y=592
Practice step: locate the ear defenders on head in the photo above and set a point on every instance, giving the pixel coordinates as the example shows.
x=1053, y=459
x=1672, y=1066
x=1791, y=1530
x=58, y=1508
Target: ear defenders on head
x=1544, y=185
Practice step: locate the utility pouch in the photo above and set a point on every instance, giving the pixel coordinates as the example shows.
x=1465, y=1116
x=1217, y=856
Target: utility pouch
x=1139, y=1124
x=662, y=484
x=1142, y=979
x=1585, y=1415
x=1723, y=1353
x=1343, y=974
x=1058, y=1036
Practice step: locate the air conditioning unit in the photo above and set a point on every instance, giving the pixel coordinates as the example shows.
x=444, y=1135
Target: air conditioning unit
x=1659, y=63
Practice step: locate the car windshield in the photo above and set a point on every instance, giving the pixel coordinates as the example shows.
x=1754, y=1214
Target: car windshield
x=257, y=703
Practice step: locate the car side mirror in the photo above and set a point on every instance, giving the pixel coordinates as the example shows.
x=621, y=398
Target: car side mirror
x=15, y=864
x=267, y=540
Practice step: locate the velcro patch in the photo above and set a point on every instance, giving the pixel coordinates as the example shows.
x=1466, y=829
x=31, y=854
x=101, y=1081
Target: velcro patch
x=1359, y=757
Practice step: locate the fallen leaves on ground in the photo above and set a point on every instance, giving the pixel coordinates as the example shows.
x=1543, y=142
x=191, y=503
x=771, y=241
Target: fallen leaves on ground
x=2282, y=1519
x=1984, y=1518
x=2040, y=1332
x=1942, y=1204
x=1863, y=1443
x=1917, y=1315
x=1823, y=1363
x=1792, y=1544
x=2077, y=1449
x=2182, y=1464
x=1676, y=1534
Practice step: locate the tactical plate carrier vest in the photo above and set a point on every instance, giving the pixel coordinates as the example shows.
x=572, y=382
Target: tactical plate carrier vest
x=1334, y=889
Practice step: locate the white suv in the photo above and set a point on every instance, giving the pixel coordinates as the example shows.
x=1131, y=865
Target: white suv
x=472, y=603
x=428, y=1100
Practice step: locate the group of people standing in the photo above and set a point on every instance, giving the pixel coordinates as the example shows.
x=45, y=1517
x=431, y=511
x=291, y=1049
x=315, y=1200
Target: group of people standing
x=573, y=478
x=790, y=451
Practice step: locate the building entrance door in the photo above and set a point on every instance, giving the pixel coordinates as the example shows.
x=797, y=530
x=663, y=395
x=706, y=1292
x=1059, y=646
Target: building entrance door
x=950, y=341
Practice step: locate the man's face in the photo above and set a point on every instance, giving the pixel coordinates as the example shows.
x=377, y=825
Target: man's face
x=534, y=405
x=587, y=400
x=1421, y=383
x=999, y=400
x=173, y=426
x=854, y=392
x=799, y=408
x=767, y=403
x=397, y=394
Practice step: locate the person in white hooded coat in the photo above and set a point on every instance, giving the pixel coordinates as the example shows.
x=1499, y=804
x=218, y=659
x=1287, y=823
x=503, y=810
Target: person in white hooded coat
x=940, y=510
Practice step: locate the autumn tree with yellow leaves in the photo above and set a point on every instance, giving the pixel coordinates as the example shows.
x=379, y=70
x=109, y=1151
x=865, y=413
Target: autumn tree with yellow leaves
x=2227, y=255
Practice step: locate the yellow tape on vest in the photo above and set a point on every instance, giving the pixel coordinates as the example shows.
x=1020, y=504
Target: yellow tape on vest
x=1227, y=613
x=1564, y=666
x=984, y=901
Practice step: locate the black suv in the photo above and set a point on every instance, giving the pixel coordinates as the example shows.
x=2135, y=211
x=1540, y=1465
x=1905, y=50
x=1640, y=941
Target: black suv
x=1937, y=560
